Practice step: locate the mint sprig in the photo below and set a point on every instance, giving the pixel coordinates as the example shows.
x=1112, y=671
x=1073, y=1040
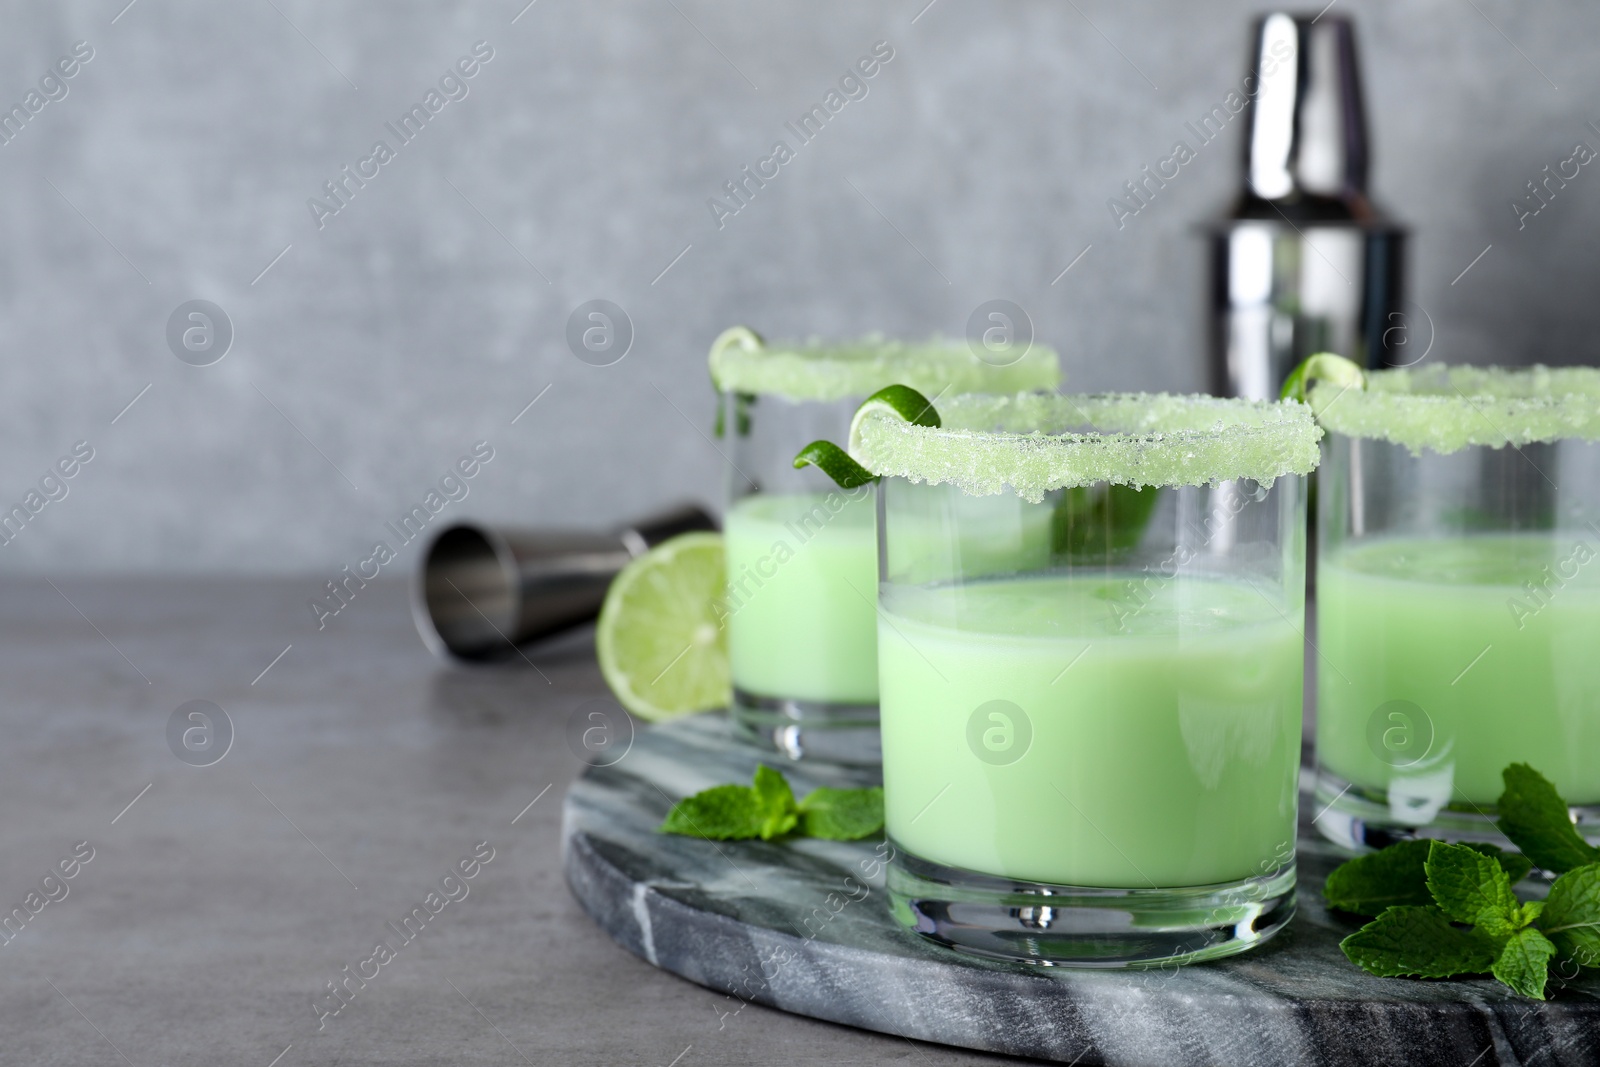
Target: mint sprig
x=767, y=809
x=1445, y=910
x=1474, y=925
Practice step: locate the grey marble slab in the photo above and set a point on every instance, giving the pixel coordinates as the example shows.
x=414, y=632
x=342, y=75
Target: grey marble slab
x=796, y=926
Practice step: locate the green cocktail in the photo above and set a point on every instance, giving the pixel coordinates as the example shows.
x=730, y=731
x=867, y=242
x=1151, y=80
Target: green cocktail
x=1493, y=638
x=802, y=585
x=1090, y=746
x=802, y=558
x=1458, y=597
x=1161, y=738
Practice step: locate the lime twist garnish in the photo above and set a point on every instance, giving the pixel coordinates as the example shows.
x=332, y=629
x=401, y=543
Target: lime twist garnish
x=741, y=337
x=900, y=401
x=1322, y=367
x=660, y=640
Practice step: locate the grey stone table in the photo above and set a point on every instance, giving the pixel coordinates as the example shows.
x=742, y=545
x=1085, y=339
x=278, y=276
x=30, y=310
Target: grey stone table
x=221, y=899
x=803, y=925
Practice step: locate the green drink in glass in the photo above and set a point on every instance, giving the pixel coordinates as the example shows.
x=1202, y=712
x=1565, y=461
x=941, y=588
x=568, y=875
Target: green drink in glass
x=1192, y=708
x=1458, y=590
x=1091, y=755
x=804, y=564
x=802, y=553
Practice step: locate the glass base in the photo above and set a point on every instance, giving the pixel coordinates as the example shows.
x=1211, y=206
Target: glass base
x=1077, y=926
x=1362, y=819
x=809, y=729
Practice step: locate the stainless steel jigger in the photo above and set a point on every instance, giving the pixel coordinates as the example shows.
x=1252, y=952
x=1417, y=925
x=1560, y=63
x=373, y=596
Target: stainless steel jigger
x=483, y=590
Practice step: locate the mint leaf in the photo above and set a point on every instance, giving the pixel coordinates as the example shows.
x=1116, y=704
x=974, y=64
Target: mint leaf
x=721, y=813
x=1418, y=942
x=1470, y=887
x=1524, y=963
x=1536, y=819
x=767, y=809
x=1397, y=875
x=776, y=800
x=1571, y=916
x=1367, y=885
x=843, y=814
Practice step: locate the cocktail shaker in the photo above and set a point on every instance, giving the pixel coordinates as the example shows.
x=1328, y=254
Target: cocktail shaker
x=483, y=590
x=1305, y=262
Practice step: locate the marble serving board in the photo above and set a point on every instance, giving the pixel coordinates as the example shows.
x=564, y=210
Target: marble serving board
x=803, y=926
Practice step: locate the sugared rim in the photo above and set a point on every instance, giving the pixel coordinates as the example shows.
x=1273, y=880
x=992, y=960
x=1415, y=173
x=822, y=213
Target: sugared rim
x=820, y=370
x=1447, y=408
x=1032, y=443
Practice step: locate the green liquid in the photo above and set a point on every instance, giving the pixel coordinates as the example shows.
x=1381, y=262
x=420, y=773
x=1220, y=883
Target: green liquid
x=803, y=582
x=1164, y=749
x=1411, y=619
x=802, y=595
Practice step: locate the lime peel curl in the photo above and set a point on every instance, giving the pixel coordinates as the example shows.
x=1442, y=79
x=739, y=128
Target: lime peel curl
x=836, y=463
x=1322, y=367
x=893, y=401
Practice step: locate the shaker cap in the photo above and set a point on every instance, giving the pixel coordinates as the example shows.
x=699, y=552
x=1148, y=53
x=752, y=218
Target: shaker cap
x=1307, y=137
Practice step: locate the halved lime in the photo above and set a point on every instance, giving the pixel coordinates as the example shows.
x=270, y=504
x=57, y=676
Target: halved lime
x=661, y=647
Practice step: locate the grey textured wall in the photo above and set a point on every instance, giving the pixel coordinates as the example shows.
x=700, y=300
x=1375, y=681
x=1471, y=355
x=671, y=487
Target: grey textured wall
x=432, y=307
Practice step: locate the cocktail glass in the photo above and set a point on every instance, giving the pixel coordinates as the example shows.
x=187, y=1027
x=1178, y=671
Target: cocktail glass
x=1091, y=758
x=802, y=553
x=1458, y=598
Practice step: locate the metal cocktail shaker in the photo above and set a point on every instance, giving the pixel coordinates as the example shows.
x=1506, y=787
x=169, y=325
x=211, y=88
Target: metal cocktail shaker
x=482, y=590
x=1304, y=262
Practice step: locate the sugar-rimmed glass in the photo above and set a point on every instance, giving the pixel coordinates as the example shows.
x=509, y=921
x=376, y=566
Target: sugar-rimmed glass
x=1091, y=752
x=802, y=553
x=1458, y=598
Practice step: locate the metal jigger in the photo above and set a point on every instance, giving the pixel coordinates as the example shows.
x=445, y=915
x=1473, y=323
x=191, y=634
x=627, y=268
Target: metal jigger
x=483, y=590
x=1304, y=263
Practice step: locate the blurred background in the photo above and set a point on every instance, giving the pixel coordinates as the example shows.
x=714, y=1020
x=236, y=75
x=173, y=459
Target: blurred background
x=377, y=337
